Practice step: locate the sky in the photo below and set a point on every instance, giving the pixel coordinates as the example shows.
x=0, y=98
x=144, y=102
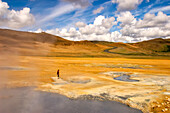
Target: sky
x=100, y=20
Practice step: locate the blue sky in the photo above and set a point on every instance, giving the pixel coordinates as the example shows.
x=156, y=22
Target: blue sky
x=47, y=15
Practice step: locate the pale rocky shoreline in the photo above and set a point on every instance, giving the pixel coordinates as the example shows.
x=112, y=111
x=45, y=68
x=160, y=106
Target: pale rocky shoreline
x=138, y=99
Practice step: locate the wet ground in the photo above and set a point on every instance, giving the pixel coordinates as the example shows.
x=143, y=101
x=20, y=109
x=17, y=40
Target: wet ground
x=27, y=100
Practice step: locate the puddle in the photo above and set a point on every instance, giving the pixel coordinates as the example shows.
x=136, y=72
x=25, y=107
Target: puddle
x=12, y=68
x=125, y=77
x=121, y=76
x=80, y=81
x=27, y=100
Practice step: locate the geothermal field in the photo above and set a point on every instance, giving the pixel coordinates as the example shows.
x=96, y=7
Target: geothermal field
x=94, y=76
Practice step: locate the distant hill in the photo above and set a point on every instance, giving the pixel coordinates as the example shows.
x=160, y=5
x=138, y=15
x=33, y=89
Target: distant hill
x=44, y=44
x=27, y=43
x=155, y=45
x=11, y=37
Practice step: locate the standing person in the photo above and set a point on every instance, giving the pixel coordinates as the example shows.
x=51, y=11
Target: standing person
x=58, y=74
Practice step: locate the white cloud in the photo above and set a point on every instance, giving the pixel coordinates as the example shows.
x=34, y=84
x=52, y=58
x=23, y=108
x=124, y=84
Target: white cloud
x=79, y=3
x=131, y=28
x=3, y=8
x=98, y=10
x=152, y=26
x=57, y=11
x=126, y=5
x=150, y=20
x=92, y=29
x=98, y=20
x=109, y=22
x=155, y=10
x=38, y=30
x=80, y=24
x=15, y=19
x=99, y=30
x=126, y=18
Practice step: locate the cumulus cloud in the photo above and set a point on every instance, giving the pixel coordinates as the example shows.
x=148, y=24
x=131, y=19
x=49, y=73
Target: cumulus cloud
x=15, y=19
x=151, y=20
x=152, y=26
x=126, y=18
x=38, y=30
x=98, y=10
x=99, y=30
x=79, y=3
x=100, y=26
x=126, y=5
x=131, y=28
x=80, y=24
x=98, y=20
